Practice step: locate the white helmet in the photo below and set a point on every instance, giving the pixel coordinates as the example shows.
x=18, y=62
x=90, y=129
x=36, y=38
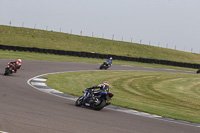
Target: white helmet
x=111, y=58
x=19, y=60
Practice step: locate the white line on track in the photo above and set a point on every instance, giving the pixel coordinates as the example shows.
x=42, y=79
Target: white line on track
x=3, y=132
x=149, y=67
x=38, y=83
x=127, y=66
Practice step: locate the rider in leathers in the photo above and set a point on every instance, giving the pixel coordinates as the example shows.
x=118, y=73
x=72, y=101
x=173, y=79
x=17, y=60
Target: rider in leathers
x=109, y=61
x=16, y=65
x=102, y=87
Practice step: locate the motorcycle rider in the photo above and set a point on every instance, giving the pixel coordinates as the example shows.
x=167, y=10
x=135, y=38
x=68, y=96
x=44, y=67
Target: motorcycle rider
x=102, y=87
x=15, y=65
x=109, y=61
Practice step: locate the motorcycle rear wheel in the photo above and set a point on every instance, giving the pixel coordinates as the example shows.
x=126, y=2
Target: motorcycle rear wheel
x=101, y=105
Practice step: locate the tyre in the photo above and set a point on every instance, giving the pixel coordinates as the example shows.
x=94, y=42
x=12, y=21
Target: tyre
x=79, y=101
x=198, y=71
x=101, y=67
x=101, y=105
x=6, y=71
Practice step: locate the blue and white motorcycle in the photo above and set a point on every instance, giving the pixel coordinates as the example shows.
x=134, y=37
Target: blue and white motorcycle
x=101, y=99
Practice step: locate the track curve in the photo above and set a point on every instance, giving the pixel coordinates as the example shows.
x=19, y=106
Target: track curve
x=26, y=110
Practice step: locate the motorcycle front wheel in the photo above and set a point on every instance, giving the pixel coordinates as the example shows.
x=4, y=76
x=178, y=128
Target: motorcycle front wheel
x=6, y=71
x=198, y=71
x=79, y=101
x=101, y=67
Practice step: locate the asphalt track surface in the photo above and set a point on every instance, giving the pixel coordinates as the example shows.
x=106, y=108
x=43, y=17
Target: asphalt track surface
x=24, y=109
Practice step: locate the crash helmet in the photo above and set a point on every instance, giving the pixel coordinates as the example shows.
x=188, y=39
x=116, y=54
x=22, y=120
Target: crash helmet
x=110, y=58
x=19, y=60
x=106, y=83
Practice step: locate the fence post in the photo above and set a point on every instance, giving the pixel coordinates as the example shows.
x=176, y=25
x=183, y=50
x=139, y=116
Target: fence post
x=113, y=37
x=10, y=23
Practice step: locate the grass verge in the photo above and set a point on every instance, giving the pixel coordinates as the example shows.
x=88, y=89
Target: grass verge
x=49, y=57
x=174, y=95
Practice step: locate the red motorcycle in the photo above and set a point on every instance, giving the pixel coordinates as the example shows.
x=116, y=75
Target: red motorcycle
x=9, y=69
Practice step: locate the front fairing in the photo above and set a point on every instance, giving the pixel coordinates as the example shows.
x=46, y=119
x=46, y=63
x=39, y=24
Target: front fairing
x=86, y=97
x=86, y=94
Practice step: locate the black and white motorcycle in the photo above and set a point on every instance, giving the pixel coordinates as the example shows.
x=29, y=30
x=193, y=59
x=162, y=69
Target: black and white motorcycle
x=105, y=65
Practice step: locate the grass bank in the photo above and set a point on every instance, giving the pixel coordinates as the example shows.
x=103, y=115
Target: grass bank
x=174, y=95
x=26, y=37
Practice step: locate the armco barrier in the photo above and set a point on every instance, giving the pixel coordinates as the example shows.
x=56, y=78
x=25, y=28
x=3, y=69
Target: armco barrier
x=100, y=56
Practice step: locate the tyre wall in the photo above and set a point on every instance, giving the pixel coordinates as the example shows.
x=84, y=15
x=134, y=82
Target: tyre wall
x=99, y=56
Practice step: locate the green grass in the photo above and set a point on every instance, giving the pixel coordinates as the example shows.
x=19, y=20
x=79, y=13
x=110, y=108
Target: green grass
x=50, y=57
x=62, y=41
x=174, y=95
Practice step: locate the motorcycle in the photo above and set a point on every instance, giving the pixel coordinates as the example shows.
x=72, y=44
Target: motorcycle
x=9, y=69
x=101, y=100
x=105, y=65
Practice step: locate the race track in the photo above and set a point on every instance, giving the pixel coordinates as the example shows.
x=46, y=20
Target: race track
x=24, y=109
